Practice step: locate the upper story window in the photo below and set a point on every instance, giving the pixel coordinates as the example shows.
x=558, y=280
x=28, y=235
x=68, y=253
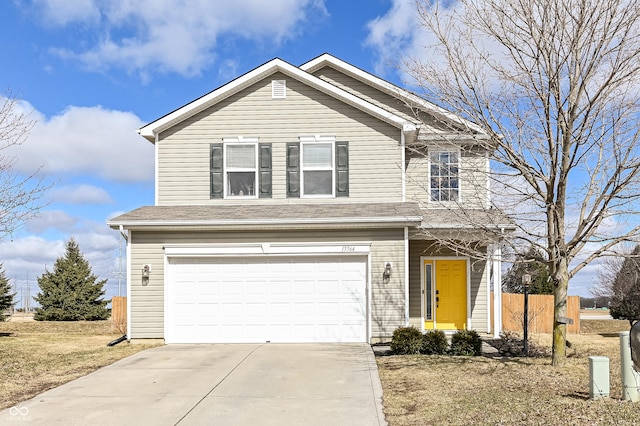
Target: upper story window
x=444, y=176
x=240, y=163
x=240, y=168
x=318, y=166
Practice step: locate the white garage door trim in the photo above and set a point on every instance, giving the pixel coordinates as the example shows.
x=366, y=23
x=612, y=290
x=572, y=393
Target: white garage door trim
x=323, y=256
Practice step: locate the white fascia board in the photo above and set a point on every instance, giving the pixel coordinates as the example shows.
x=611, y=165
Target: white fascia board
x=452, y=137
x=264, y=222
x=439, y=226
x=391, y=89
x=150, y=130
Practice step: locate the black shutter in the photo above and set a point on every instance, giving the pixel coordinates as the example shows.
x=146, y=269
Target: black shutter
x=216, y=170
x=264, y=173
x=342, y=169
x=293, y=170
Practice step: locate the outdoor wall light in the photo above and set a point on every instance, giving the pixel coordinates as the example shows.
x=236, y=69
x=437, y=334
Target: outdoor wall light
x=386, y=274
x=146, y=269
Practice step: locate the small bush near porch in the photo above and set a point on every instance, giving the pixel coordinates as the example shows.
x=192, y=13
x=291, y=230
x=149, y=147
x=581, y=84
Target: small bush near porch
x=421, y=390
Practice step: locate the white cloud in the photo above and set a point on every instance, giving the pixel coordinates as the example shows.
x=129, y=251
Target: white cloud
x=80, y=194
x=90, y=140
x=31, y=252
x=397, y=34
x=400, y=37
x=63, y=12
x=176, y=36
x=52, y=219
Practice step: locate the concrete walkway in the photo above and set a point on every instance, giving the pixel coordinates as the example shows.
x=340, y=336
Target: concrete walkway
x=267, y=384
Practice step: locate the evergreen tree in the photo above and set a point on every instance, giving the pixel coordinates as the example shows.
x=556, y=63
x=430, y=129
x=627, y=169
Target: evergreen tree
x=531, y=262
x=71, y=292
x=625, y=289
x=6, y=297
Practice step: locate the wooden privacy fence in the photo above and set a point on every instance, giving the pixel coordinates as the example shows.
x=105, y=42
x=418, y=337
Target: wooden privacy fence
x=119, y=313
x=540, y=313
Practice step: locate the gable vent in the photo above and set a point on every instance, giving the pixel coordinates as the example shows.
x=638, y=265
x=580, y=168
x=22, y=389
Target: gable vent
x=278, y=89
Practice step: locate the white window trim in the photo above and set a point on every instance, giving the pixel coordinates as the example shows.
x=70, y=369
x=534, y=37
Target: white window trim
x=308, y=140
x=450, y=150
x=239, y=140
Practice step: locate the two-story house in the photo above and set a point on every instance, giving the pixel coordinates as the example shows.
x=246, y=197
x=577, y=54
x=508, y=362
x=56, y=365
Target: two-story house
x=291, y=206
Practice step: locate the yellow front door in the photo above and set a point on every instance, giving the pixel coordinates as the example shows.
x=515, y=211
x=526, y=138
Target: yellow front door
x=445, y=287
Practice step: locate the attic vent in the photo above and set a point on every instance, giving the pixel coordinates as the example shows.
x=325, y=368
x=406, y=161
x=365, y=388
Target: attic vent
x=278, y=89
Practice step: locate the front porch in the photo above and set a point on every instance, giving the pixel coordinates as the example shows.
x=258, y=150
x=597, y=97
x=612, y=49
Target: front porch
x=450, y=292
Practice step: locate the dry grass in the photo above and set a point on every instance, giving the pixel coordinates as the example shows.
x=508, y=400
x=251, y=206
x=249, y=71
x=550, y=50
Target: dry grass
x=604, y=326
x=36, y=356
x=430, y=390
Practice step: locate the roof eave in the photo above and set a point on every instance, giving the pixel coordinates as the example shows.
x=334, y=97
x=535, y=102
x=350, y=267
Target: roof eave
x=262, y=223
x=443, y=226
x=389, y=88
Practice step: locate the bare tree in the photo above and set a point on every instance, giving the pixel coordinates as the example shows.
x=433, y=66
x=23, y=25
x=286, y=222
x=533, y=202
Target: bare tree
x=555, y=87
x=620, y=282
x=19, y=194
x=608, y=270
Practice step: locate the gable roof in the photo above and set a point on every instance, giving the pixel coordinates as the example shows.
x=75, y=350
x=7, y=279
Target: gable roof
x=384, y=86
x=151, y=130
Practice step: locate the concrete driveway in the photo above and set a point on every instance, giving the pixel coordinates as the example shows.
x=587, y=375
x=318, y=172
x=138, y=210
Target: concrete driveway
x=266, y=384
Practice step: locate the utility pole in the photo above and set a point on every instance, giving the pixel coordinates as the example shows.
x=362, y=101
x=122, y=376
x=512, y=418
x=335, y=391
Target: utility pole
x=119, y=274
x=15, y=291
x=28, y=307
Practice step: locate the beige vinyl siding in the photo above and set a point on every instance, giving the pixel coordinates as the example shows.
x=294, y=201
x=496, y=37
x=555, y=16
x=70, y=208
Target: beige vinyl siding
x=416, y=249
x=417, y=181
x=473, y=180
x=479, y=305
x=478, y=284
x=366, y=92
x=147, y=302
x=387, y=298
x=374, y=146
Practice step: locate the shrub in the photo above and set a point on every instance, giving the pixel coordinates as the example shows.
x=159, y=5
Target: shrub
x=466, y=343
x=434, y=343
x=406, y=341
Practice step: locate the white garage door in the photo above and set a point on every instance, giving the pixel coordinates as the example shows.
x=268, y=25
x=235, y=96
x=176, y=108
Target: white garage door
x=290, y=299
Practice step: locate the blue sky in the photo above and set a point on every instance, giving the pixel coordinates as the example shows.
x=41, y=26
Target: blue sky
x=93, y=71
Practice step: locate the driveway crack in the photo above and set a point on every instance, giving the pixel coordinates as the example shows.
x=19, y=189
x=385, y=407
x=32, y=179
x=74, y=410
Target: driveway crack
x=217, y=384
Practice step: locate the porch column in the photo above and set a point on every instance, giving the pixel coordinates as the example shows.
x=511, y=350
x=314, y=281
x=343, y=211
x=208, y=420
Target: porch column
x=406, y=276
x=496, y=269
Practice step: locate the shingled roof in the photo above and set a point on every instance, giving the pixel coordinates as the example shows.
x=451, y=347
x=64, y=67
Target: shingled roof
x=403, y=214
x=306, y=215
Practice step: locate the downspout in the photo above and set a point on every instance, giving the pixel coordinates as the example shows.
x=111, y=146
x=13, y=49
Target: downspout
x=488, y=171
x=156, y=144
x=408, y=135
x=403, y=165
x=124, y=235
x=128, y=284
